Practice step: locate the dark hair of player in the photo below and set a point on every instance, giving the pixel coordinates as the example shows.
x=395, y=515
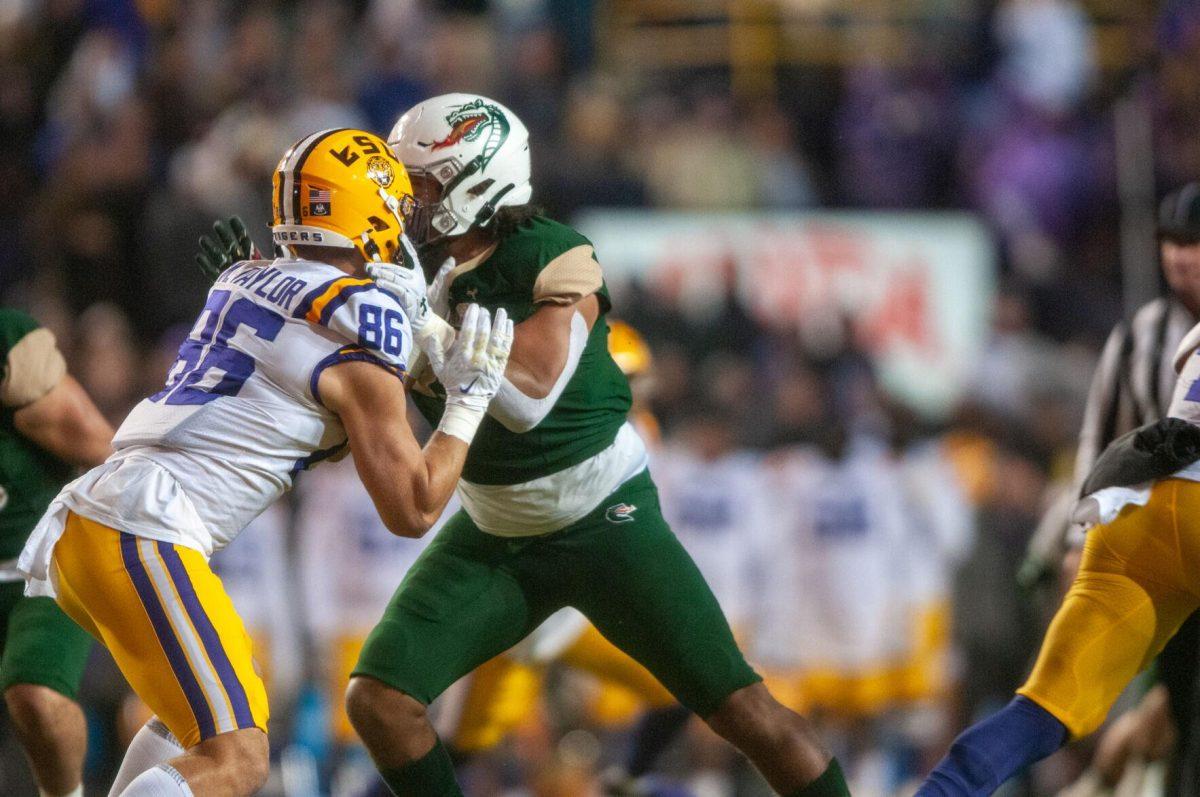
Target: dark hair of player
x=511, y=217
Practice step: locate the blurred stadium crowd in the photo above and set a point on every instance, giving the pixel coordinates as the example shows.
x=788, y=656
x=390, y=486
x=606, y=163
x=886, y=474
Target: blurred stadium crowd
x=128, y=127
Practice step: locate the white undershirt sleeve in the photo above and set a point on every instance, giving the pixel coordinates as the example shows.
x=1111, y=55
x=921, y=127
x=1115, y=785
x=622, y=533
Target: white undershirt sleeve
x=518, y=412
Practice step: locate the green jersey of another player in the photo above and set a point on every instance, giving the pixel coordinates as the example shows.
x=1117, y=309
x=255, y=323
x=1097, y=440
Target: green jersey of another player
x=47, y=426
x=558, y=505
x=541, y=262
x=30, y=476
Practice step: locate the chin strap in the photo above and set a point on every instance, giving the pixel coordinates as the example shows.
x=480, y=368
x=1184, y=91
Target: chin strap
x=489, y=209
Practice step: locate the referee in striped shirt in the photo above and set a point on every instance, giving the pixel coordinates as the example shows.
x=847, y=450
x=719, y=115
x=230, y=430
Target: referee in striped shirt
x=1132, y=386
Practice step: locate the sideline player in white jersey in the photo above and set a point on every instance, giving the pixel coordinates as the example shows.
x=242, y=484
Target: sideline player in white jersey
x=255, y=572
x=722, y=528
x=941, y=534
x=833, y=622
x=290, y=362
x=349, y=565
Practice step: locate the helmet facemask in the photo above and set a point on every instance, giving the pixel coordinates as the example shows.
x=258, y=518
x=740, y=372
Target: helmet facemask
x=430, y=221
x=403, y=211
x=435, y=222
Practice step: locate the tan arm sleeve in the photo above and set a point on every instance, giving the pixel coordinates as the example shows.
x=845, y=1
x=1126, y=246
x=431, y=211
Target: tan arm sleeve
x=34, y=367
x=568, y=278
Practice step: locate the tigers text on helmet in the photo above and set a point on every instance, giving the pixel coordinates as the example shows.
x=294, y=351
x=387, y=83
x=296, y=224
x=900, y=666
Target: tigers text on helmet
x=342, y=188
x=475, y=148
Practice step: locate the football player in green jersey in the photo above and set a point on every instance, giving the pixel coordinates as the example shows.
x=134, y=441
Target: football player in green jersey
x=558, y=505
x=47, y=425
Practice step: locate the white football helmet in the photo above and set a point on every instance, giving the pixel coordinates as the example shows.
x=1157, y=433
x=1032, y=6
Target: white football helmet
x=478, y=151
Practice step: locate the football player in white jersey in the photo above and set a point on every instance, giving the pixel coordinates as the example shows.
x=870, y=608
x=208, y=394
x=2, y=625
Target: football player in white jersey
x=255, y=572
x=350, y=564
x=833, y=628
x=942, y=532
x=291, y=362
x=721, y=529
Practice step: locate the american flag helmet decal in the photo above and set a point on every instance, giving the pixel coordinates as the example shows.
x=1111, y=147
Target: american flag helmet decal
x=319, y=201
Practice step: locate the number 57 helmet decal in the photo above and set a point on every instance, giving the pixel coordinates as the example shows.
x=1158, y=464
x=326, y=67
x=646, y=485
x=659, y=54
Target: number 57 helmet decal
x=342, y=188
x=478, y=151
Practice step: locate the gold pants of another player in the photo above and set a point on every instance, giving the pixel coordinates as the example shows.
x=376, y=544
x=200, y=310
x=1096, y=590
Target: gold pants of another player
x=1138, y=581
x=498, y=696
x=500, y=693
x=868, y=691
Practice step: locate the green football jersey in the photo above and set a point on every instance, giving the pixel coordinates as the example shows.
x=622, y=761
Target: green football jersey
x=29, y=476
x=540, y=262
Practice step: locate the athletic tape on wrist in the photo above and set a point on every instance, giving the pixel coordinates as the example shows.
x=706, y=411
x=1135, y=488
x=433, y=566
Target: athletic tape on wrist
x=460, y=420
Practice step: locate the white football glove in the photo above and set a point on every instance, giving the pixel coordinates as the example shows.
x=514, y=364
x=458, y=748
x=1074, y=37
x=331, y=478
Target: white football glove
x=439, y=289
x=407, y=283
x=472, y=369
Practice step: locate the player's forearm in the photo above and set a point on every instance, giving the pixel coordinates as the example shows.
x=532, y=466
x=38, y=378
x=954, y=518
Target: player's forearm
x=411, y=487
x=436, y=474
x=471, y=369
x=534, y=369
x=444, y=457
x=517, y=411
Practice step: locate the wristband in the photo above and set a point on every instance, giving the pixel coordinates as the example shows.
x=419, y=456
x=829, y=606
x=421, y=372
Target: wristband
x=460, y=420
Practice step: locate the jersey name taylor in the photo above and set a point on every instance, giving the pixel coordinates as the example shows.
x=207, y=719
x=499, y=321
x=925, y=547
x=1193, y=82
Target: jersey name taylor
x=241, y=412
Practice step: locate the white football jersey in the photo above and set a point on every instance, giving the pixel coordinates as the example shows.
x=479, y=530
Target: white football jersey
x=942, y=522
x=1185, y=405
x=349, y=561
x=240, y=413
x=1185, y=401
x=718, y=509
x=835, y=585
x=257, y=576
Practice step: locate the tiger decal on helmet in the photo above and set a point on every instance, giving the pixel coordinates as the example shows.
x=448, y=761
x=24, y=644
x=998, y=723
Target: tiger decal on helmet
x=342, y=188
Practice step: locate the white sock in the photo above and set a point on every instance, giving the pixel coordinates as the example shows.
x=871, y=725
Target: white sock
x=76, y=792
x=162, y=781
x=152, y=745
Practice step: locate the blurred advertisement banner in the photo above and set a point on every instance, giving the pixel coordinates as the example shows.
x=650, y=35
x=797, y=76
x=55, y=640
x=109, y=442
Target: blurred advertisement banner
x=917, y=288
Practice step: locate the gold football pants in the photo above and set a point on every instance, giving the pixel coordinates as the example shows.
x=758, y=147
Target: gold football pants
x=165, y=618
x=1138, y=581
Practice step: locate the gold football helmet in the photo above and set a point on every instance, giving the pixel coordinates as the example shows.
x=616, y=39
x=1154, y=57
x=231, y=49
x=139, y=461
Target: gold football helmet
x=342, y=188
x=628, y=348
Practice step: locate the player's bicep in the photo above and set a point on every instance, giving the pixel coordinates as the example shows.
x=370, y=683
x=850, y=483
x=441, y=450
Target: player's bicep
x=570, y=283
x=569, y=277
x=542, y=343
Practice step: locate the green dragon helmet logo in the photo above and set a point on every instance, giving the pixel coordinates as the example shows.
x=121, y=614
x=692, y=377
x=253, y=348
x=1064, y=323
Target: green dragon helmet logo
x=473, y=120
